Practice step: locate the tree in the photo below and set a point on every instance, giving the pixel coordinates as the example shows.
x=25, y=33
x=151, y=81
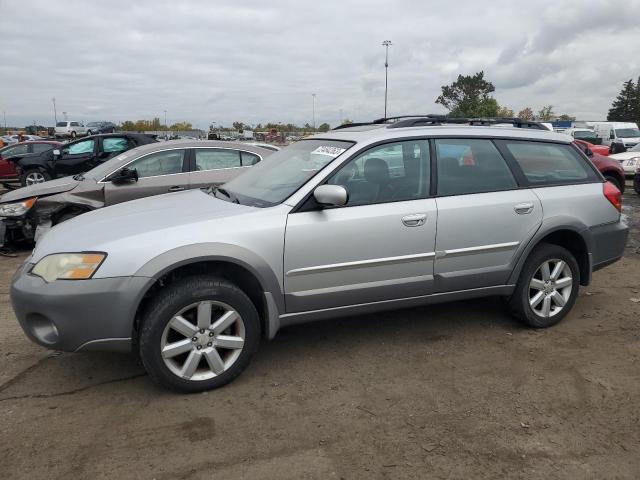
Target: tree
x=346, y=121
x=238, y=126
x=546, y=113
x=325, y=127
x=626, y=106
x=505, y=112
x=181, y=126
x=564, y=116
x=526, y=114
x=469, y=96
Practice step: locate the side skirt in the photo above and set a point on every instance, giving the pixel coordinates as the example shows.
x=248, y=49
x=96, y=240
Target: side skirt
x=364, y=308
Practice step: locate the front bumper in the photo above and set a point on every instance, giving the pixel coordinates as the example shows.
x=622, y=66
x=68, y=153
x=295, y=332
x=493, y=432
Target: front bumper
x=73, y=315
x=608, y=242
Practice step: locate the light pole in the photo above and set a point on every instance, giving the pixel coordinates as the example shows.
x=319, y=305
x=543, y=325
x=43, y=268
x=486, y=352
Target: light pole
x=386, y=44
x=314, y=111
x=55, y=114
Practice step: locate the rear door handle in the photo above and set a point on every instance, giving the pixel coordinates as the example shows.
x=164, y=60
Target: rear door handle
x=523, y=208
x=414, y=220
x=176, y=188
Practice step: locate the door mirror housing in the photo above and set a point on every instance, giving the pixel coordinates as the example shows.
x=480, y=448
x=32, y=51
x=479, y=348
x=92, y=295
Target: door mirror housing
x=612, y=135
x=125, y=175
x=589, y=152
x=331, y=195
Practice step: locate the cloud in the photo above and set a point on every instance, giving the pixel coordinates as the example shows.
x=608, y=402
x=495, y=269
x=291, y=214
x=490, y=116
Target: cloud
x=257, y=61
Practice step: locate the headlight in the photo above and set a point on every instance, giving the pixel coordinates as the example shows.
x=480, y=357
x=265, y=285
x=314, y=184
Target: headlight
x=68, y=266
x=17, y=209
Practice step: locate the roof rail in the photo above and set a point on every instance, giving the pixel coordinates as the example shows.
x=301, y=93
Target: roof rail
x=405, y=121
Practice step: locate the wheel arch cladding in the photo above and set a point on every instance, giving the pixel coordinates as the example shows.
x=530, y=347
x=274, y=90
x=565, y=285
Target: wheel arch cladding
x=570, y=234
x=242, y=267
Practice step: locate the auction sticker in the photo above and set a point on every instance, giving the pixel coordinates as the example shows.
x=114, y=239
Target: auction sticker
x=327, y=150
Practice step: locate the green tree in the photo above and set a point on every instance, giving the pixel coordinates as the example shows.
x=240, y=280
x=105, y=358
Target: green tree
x=469, y=96
x=546, y=113
x=181, y=126
x=238, y=126
x=626, y=106
x=127, y=126
x=565, y=116
x=505, y=112
x=325, y=127
x=526, y=114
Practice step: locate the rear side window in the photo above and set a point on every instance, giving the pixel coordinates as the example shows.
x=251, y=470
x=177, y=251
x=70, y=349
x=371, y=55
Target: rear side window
x=550, y=163
x=114, y=144
x=471, y=166
x=249, y=159
x=216, y=158
x=61, y=124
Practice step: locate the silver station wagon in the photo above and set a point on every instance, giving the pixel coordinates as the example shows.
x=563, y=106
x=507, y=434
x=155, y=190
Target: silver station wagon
x=396, y=213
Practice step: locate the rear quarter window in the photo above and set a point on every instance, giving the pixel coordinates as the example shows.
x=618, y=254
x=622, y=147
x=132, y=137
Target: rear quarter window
x=550, y=163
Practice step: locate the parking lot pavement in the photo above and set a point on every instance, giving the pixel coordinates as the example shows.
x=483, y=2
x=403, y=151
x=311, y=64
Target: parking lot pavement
x=457, y=390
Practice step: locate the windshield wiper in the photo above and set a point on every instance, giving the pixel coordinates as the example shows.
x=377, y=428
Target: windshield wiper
x=79, y=177
x=230, y=196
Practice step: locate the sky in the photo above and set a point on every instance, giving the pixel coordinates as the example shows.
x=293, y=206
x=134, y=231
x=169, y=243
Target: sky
x=259, y=61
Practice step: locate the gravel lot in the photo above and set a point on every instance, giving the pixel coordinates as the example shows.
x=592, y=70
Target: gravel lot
x=448, y=391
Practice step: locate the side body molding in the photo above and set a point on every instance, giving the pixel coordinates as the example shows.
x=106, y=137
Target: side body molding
x=224, y=252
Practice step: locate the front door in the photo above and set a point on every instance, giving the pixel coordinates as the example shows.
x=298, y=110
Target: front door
x=483, y=215
x=158, y=173
x=77, y=157
x=380, y=246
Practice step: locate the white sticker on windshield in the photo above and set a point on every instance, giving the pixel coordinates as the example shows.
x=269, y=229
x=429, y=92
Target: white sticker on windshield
x=331, y=151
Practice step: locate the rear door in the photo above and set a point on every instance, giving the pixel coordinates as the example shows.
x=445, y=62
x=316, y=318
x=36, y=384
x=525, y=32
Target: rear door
x=76, y=157
x=160, y=172
x=484, y=216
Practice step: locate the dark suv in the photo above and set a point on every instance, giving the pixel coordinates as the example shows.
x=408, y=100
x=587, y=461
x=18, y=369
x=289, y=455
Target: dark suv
x=94, y=128
x=77, y=157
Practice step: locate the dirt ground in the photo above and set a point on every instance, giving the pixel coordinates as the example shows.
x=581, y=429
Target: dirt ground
x=449, y=391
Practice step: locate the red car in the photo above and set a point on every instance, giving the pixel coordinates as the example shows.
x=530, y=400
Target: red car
x=610, y=169
x=599, y=149
x=9, y=156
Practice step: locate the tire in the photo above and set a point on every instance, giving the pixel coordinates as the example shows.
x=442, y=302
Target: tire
x=34, y=176
x=636, y=183
x=616, y=182
x=179, y=305
x=520, y=303
x=88, y=133
x=73, y=134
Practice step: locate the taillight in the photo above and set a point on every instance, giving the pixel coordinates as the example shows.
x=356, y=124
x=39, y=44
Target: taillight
x=613, y=195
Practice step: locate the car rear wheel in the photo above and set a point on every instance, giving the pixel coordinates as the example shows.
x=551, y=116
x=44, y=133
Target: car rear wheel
x=88, y=133
x=198, y=333
x=34, y=176
x=73, y=134
x=547, y=287
x=616, y=181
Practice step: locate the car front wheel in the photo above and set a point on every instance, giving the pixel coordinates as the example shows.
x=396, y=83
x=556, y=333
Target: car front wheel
x=547, y=288
x=34, y=176
x=198, y=333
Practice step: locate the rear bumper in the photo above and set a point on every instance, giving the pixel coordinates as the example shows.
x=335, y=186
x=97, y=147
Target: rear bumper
x=608, y=243
x=66, y=315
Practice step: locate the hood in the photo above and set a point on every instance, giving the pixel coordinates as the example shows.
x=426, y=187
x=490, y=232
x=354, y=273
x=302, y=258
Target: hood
x=624, y=156
x=58, y=185
x=138, y=228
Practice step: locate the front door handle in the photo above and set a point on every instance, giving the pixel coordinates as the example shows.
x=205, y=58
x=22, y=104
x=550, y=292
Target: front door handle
x=523, y=208
x=414, y=220
x=176, y=188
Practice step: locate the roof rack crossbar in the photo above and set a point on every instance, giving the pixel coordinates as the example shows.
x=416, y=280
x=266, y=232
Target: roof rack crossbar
x=405, y=121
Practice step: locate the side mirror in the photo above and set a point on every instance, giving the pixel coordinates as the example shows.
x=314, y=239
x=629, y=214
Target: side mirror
x=331, y=195
x=125, y=175
x=589, y=152
x=612, y=136
x=56, y=153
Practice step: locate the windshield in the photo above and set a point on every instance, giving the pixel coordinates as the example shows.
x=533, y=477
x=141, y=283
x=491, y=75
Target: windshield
x=584, y=134
x=627, y=132
x=99, y=172
x=273, y=180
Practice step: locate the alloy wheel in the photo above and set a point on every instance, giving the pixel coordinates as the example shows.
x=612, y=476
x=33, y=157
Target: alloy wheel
x=203, y=340
x=34, y=177
x=550, y=288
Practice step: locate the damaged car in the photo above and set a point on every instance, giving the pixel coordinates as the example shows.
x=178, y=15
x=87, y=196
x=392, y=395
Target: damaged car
x=152, y=169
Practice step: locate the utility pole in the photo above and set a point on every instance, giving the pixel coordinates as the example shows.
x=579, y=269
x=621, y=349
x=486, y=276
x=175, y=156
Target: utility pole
x=314, y=111
x=55, y=114
x=165, y=120
x=386, y=44
x=4, y=114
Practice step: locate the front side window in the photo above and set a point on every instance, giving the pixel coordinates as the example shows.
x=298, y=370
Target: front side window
x=271, y=182
x=86, y=146
x=471, y=166
x=162, y=163
x=550, y=163
x=17, y=150
x=74, y=124
x=114, y=144
x=42, y=147
x=386, y=173
x=216, y=158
